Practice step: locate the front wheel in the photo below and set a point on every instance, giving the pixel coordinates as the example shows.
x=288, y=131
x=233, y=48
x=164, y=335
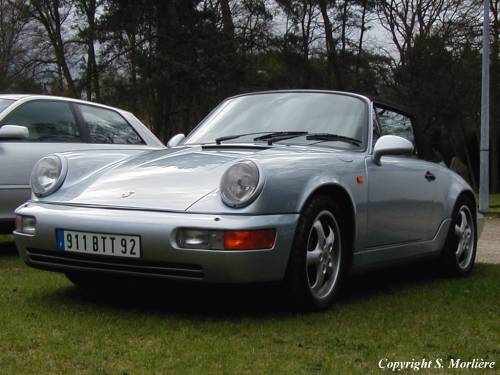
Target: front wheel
x=317, y=259
x=459, y=252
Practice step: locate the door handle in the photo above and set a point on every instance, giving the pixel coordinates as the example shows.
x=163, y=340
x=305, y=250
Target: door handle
x=430, y=176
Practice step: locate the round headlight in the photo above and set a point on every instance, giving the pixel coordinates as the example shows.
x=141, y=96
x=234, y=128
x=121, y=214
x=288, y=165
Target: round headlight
x=48, y=175
x=240, y=184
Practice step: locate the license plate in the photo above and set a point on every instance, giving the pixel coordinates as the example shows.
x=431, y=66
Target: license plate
x=99, y=243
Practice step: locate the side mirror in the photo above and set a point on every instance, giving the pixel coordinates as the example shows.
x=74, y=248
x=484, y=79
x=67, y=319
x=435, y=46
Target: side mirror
x=391, y=145
x=14, y=132
x=175, y=140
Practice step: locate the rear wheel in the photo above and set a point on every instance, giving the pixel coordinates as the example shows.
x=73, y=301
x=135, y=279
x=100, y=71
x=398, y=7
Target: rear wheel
x=317, y=259
x=459, y=252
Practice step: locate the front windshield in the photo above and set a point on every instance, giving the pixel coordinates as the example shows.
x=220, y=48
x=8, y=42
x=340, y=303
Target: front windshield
x=310, y=112
x=4, y=103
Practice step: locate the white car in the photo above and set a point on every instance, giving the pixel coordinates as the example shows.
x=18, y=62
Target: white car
x=33, y=126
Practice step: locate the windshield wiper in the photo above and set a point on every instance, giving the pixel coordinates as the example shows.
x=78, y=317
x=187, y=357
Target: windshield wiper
x=271, y=137
x=325, y=137
x=279, y=136
x=229, y=137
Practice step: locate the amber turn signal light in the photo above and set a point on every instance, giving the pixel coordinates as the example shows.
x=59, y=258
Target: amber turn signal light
x=249, y=239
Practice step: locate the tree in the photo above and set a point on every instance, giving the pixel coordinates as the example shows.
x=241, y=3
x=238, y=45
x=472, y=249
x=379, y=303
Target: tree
x=88, y=34
x=12, y=24
x=305, y=17
x=405, y=20
x=428, y=36
x=331, y=45
x=367, y=7
x=170, y=61
x=53, y=16
x=227, y=17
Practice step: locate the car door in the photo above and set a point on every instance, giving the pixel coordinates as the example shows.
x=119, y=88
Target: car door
x=402, y=189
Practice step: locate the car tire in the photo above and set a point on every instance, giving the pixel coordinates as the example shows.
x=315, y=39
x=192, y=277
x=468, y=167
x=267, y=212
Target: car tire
x=318, y=259
x=459, y=252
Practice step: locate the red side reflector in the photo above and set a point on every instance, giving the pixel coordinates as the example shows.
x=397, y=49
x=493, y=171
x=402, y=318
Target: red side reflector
x=249, y=239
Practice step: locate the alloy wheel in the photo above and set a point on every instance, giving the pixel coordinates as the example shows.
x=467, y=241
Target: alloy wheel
x=323, y=254
x=464, y=231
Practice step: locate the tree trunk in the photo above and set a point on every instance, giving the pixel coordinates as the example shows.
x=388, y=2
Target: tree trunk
x=61, y=60
x=330, y=45
x=344, y=27
x=90, y=10
x=88, y=80
x=227, y=18
x=47, y=13
x=133, y=68
x=360, y=41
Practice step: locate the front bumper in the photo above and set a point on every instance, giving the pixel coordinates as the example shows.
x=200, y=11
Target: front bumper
x=160, y=255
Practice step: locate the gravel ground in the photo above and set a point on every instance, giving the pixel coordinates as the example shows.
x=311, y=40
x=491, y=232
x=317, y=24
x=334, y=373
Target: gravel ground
x=489, y=243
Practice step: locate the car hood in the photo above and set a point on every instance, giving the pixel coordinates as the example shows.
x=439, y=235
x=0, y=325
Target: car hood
x=165, y=180
x=171, y=179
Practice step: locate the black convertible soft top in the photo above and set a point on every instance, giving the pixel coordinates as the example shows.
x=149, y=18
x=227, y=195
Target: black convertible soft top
x=391, y=105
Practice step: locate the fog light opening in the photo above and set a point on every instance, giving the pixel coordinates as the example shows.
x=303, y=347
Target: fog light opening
x=205, y=239
x=26, y=224
x=200, y=239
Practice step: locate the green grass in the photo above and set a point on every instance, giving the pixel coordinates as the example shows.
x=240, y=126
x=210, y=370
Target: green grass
x=5, y=238
x=495, y=199
x=495, y=203
x=48, y=326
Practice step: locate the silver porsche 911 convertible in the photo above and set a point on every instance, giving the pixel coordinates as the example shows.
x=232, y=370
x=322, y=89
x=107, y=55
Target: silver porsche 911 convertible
x=299, y=187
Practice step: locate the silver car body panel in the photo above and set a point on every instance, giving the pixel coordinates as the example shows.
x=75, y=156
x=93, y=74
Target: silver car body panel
x=18, y=158
x=157, y=231
x=398, y=213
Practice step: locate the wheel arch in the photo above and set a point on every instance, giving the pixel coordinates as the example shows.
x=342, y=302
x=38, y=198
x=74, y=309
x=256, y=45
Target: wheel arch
x=457, y=188
x=467, y=194
x=456, y=193
x=344, y=200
